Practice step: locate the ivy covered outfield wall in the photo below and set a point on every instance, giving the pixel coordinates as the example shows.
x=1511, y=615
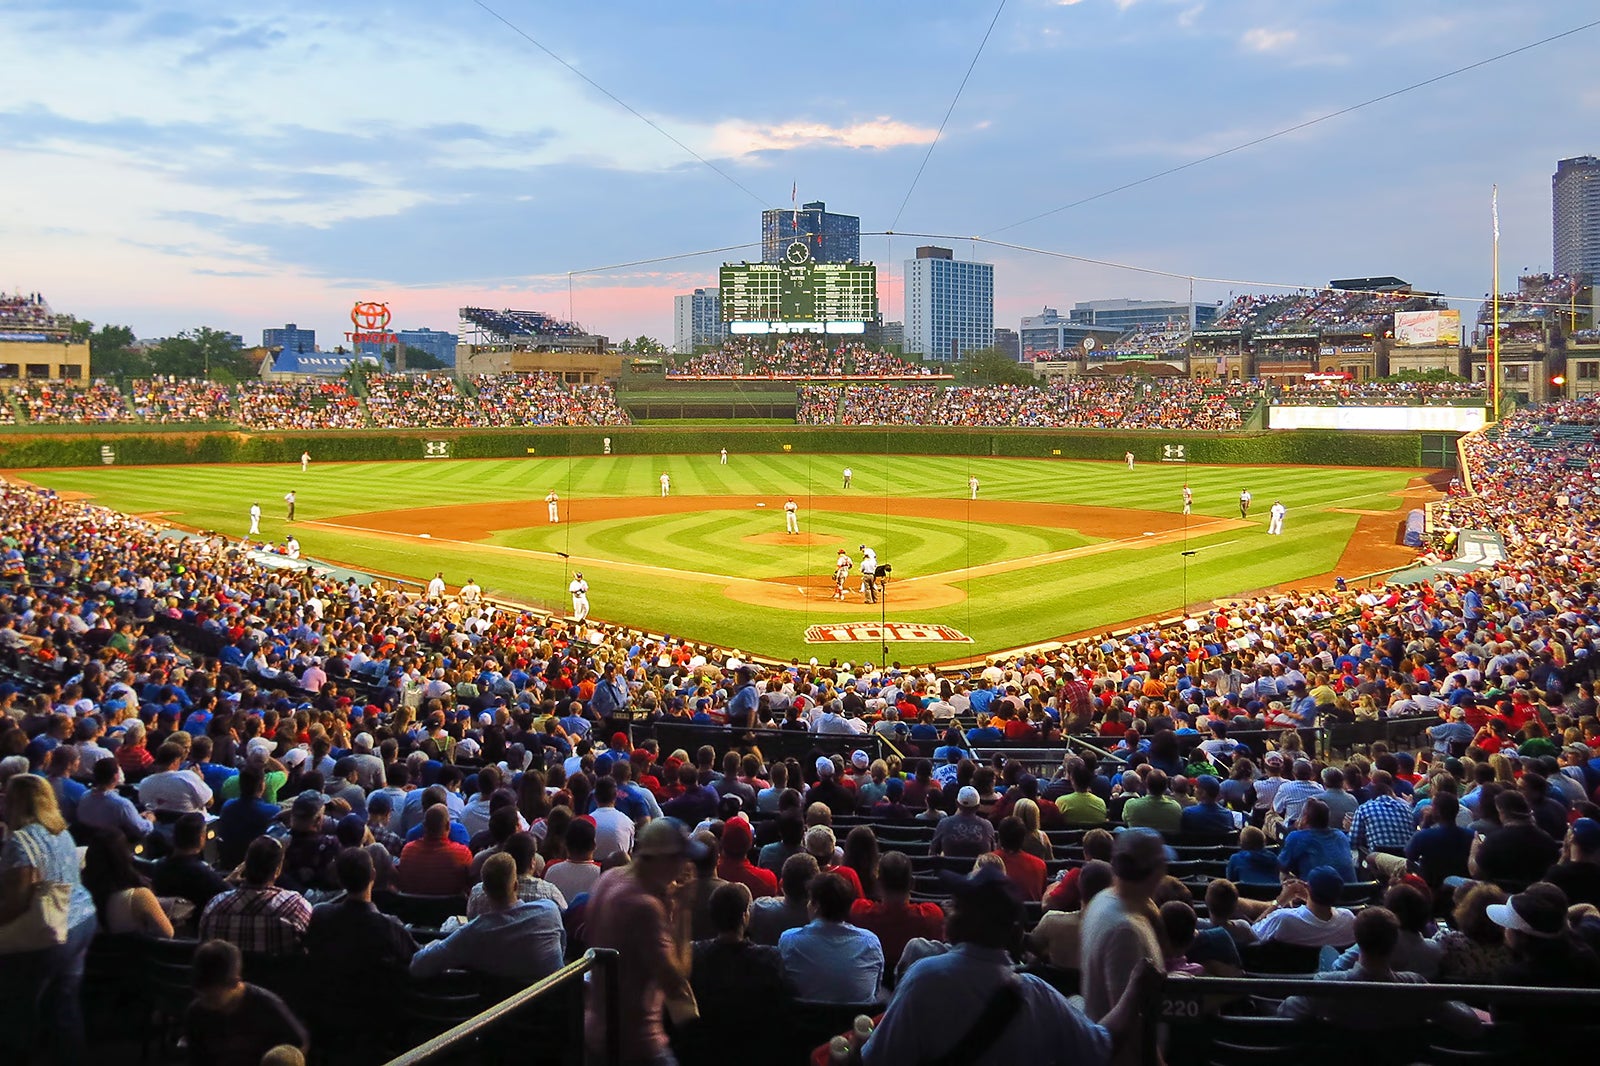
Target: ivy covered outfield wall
x=1297, y=447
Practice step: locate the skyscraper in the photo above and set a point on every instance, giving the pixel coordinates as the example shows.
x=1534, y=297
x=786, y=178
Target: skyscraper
x=697, y=320
x=1575, y=207
x=831, y=238
x=437, y=343
x=291, y=338
x=949, y=305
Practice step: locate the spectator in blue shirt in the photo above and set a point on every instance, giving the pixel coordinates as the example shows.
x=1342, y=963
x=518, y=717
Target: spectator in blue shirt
x=1315, y=844
x=243, y=819
x=1208, y=815
x=1456, y=731
x=1253, y=864
x=985, y=732
x=1442, y=849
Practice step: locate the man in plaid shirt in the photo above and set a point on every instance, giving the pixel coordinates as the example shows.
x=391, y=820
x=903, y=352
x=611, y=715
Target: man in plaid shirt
x=1384, y=821
x=258, y=916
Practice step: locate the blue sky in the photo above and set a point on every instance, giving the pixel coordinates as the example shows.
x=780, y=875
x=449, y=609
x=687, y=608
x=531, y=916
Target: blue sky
x=177, y=163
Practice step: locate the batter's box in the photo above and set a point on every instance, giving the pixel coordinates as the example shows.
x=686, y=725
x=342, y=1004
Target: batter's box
x=884, y=632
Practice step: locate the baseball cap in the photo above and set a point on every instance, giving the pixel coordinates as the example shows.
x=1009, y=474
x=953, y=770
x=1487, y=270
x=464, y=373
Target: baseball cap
x=819, y=841
x=306, y=804
x=352, y=830
x=295, y=756
x=824, y=766
x=968, y=796
x=737, y=837
x=1586, y=833
x=1325, y=884
x=1540, y=911
x=859, y=760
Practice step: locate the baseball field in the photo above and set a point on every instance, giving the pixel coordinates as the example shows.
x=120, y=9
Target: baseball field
x=1049, y=547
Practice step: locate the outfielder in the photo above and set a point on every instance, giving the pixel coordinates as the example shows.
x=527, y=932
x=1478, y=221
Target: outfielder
x=1128, y=457
x=972, y=485
x=1244, y=503
x=255, y=519
x=791, y=516
x=1275, y=518
x=305, y=461
x=580, y=595
x=1188, y=499
x=841, y=573
x=552, y=502
x=666, y=484
x=847, y=477
x=724, y=457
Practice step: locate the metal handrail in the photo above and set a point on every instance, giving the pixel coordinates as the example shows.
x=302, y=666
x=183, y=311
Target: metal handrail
x=604, y=960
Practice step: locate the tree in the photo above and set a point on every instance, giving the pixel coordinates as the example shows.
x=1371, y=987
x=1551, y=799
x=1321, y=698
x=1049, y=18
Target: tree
x=111, y=353
x=418, y=359
x=197, y=353
x=991, y=366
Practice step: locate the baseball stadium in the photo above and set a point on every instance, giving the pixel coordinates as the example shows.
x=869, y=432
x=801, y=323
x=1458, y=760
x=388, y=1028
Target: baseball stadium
x=1199, y=674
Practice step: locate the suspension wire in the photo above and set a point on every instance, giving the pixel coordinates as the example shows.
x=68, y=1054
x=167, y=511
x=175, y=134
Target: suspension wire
x=614, y=98
x=1297, y=127
x=947, y=113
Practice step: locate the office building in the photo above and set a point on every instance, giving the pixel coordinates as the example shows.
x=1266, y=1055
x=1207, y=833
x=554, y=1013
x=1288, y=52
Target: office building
x=949, y=305
x=1006, y=342
x=697, y=321
x=831, y=238
x=436, y=342
x=1575, y=210
x=1129, y=314
x=892, y=335
x=291, y=338
x=1051, y=335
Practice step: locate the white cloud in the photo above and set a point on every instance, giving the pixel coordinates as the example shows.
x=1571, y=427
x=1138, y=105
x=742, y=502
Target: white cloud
x=1190, y=15
x=1261, y=39
x=737, y=137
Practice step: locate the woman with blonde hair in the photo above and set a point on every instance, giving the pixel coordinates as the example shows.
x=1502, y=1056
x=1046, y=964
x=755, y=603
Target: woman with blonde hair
x=1035, y=843
x=39, y=989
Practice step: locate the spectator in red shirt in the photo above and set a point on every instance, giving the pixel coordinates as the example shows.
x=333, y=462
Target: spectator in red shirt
x=897, y=920
x=734, y=864
x=1028, y=871
x=435, y=865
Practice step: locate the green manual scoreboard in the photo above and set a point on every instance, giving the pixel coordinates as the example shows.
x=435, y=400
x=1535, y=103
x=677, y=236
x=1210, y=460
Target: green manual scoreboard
x=798, y=295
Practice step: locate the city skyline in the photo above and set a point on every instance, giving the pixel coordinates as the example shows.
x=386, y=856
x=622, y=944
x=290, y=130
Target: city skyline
x=211, y=164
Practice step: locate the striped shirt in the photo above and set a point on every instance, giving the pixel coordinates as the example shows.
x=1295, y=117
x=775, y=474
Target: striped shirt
x=266, y=921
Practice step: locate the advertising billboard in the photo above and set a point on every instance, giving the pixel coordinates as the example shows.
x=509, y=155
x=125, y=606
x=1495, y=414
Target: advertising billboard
x=1396, y=419
x=1427, y=329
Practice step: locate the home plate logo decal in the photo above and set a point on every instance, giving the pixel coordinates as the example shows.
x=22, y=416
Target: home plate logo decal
x=882, y=632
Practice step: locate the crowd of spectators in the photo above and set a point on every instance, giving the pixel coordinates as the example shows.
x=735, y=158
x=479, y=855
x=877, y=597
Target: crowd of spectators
x=1164, y=341
x=1087, y=402
x=299, y=405
x=27, y=312
x=172, y=399
x=1378, y=393
x=50, y=403
x=358, y=742
x=396, y=401
x=800, y=356
x=543, y=399
x=1316, y=310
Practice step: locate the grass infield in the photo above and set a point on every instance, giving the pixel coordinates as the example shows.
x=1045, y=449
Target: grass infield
x=1051, y=547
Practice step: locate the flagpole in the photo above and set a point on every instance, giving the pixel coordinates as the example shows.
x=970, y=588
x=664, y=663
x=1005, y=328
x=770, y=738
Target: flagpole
x=1494, y=329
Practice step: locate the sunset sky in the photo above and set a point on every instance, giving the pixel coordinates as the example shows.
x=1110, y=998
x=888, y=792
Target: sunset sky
x=181, y=163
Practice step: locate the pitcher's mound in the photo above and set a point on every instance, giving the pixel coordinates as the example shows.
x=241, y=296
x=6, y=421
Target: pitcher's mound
x=799, y=540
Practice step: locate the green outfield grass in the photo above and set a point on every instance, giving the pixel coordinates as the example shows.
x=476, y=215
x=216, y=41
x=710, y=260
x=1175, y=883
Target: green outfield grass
x=1001, y=609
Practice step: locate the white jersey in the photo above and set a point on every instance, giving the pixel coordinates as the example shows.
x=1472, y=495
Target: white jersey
x=579, y=587
x=869, y=561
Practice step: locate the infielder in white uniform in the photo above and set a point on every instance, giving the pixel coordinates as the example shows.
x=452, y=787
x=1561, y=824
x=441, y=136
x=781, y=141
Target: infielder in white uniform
x=841, y=573
x=724, y=457
x=288, y=499
x=305, y=461
x=1244, y=503
x=1128, y=457
x=847, y=477
x=580, y=596
x=255, y=518
x=972, y=485
x=666, y=484
x=551, y=501
x=791, y=516
x=1188, y=499
x=1275, y=518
